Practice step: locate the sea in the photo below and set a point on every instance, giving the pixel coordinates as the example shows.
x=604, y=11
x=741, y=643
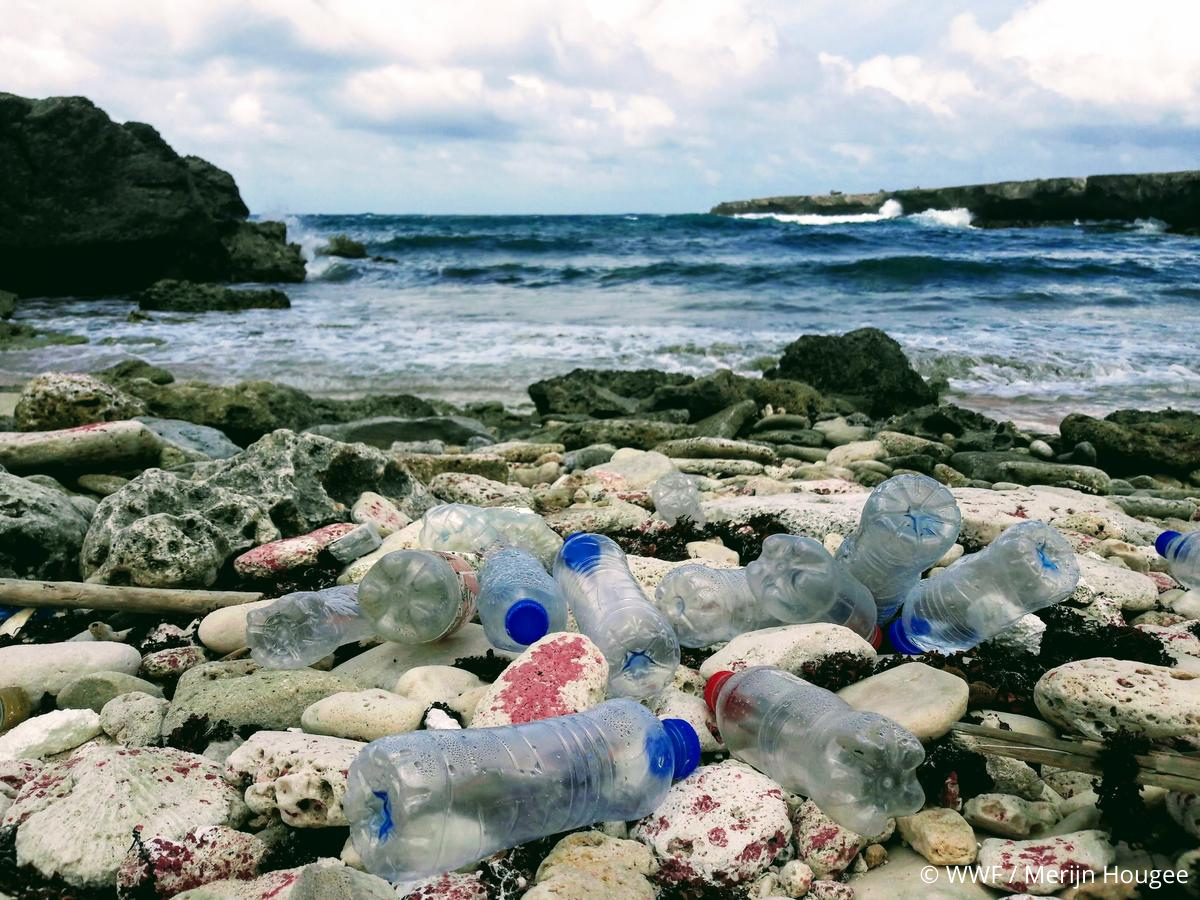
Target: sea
x=1025, y=324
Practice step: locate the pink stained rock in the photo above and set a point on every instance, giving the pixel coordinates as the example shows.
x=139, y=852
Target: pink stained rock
x=167, y=867
x=560, y=674
x=271, y=560
x=825, y=846
x=449, y=886
x=1044, y=865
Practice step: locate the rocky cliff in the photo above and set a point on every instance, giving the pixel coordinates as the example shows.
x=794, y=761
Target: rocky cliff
x=1173, y=197
x=90, y=206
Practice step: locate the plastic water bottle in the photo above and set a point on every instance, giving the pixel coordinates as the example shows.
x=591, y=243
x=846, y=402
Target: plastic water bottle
x=907, y=524
x=426, y=802
x=858, y=767
x=1028, y=567
x=519, y=603
x=675, y=497
x=298, y=629
x=461, y=528
x=417, y=596
x=794, y=581
x=611, y=609
x=1182, y=552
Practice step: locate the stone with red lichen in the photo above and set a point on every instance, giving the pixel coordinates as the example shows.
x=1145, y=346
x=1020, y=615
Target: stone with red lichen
x=449, y=886
x=829, y=890
x=825, y=846
x=164, y=867
x=172, y=662
x=723, y=825
x=560, y=674
x=1043, y=865
x=272, y=560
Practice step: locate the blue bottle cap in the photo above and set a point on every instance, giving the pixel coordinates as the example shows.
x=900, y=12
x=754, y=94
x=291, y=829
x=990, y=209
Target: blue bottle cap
x=685, y=746
x=580, y=551
x=7, y=612
x=1163, y=540
x=900, y=639
x=527, y=621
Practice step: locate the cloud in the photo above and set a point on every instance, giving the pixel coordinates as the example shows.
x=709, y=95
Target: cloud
x=907, y=78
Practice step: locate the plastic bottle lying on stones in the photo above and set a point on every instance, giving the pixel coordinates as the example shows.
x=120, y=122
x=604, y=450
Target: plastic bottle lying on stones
x=299, y=629
x=1028, y=567
x=795, y=580
x=519, y=603
x=676, y=497
x=907, y=524
x=1181, y=549
x=858, y=767
x=418, y=596
x=611, y=609
x=461, y=528
x=426, y=802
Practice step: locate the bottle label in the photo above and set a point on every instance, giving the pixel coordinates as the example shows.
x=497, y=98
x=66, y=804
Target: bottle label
x=469, y=587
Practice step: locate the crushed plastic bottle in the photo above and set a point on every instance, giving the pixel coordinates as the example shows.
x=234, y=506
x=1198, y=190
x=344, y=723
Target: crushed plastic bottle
x=794, y=581
x=426, y=802
x=858, y=767
x=907, y=524
x=1028, y=567
x=676, y=497
x=1181, y=549
x=299, y=629
x=519, y=603
x=461, y=528
x=418, y=596
x=613, y=611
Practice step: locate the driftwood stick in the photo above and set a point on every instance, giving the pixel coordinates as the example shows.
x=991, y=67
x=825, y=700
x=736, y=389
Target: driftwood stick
x=79, y=595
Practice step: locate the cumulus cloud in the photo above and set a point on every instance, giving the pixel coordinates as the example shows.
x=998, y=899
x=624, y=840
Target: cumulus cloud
x=472, y=105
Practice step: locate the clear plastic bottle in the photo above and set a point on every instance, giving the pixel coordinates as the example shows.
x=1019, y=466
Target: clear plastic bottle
x=794, y=581
x=462, y=528
x=676, y=497
x=858, y=767
x=1028, y=567
x=1181, y=549
x=612, y=609
x=426, y=802
x=519, y=603
x=907, y=524
x=298, y=629
x=418, y=596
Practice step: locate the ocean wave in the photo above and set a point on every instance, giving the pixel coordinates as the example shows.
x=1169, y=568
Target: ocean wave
x=481, y=242
x=891, y=209
x=959, y=217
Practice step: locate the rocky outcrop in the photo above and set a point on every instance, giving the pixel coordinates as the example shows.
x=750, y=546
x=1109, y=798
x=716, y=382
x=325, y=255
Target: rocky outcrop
x=1173, y=197
x=91, y=206
x=66, y=400
x=41, y=531
x=601, y=393
x=864, y=367
x=1131, y=441
x=169, y=295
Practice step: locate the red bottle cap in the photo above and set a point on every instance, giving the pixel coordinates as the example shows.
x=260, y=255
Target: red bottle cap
x=876, y=638
x=712, y=688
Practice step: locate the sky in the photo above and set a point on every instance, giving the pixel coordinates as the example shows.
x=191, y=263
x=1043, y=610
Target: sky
x=556, y=106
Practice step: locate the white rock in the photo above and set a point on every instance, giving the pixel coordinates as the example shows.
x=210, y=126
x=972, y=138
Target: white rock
x=806, y=512
x=590, y=863
x=788, y=647
x=1187, y=604
x=821, y=843
x=54, y=732
x=673, y=703
x=903, y=878
x=722, y=824
x=76, y=818
x=709, y=551
x=439, y=720
x=382, y=666
x=993, y=718
x=561, y=673
x=940, y=835
x=794, y=878
x=46, y=668
x=372, y=508
x=435, y=684
x=1009, y=816
x=1067, y=783
x=650, y=571
x=1024, y=634
x=1101, y=580
x=134, y=719
x=632, y=470
x=1043, y=865
x=985, y=514
x=224, y=630
x=362, y=715
x=302, y=776
x=925, y=700
x=855, y=451
x=1097, y=696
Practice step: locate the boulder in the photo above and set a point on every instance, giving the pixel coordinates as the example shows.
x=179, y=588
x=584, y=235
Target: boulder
x=193, y=441
x=866, y=368
x=456, y=487
x=641, y=434
x=822, y=844
x=161, y=867
x=64, y=400
x=972, y=430
x=344, y=247
x=600, y=393
x=716, y=448
x=1133, y=442
x=1019, y=468
x=560, y=674
x=709, y=395
x=1044, y=865
x=278, y=558
x=728, y=422
x=134, y=719
x=91, y=206
x=48, y=668
x=383, y=431
x=41, y=531
x=363, y=715
x=86, y=448
x=925, y=700
x=942, y=836
x=169, y=295
x=94, y=689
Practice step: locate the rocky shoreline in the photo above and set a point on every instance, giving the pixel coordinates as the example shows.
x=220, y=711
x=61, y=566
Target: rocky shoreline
x=157, y=760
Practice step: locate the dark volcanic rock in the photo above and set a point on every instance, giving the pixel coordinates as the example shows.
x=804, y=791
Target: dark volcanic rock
x=41, y=531
x=973, y=430
x=601, y=393
x=383, y=431
x=864, y=367
x=344, y=247
x=712, y=393
x=1173, y=197
x=169, y=295
x=1131, y=441
x=91, y=206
